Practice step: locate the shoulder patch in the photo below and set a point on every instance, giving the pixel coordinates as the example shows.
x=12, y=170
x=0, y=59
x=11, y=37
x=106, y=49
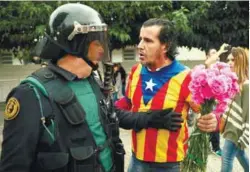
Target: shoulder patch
x=12, y=109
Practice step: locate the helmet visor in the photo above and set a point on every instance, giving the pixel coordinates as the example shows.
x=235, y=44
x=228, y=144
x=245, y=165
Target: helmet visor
x=98, y=49
x=97, y=41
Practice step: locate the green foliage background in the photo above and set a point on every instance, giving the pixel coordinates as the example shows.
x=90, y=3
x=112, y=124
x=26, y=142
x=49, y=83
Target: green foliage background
x=201, y=24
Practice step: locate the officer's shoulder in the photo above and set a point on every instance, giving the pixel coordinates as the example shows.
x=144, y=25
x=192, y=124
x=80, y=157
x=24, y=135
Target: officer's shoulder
x=41, y=72
x=21, y=89
x=15, y=99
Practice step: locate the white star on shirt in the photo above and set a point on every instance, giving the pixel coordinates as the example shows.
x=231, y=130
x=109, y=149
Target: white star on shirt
x=150, y=84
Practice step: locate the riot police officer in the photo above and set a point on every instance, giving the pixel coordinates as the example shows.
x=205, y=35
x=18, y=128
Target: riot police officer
x=57, y=119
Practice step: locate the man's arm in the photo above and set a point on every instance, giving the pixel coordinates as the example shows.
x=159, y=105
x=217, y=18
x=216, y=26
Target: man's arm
x=216, y=57
x=160, y=119
x=21, y=131
x=126, y=119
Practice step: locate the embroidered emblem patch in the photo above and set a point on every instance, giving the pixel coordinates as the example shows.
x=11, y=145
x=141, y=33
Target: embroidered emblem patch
x=12, y=109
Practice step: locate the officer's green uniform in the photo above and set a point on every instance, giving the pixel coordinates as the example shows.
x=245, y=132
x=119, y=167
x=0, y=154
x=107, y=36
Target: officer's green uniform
x=87, y=99
x=73, y=139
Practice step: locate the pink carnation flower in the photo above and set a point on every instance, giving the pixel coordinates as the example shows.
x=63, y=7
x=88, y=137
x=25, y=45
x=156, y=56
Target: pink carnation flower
x=206, y=92
x=218, y=83
x=221, y=107
x=220, y=66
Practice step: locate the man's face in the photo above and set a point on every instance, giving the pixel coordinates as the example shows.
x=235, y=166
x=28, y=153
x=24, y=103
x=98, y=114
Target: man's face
x=95, y=51
x=150, y=48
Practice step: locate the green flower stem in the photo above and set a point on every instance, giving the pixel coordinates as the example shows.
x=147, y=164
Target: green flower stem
x=197, y=154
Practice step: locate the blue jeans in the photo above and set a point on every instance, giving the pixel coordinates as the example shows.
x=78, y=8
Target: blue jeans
x=230, y=150
x=140, y=166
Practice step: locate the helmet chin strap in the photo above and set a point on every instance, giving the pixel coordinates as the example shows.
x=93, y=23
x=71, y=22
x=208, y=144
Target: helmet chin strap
x=89, y=62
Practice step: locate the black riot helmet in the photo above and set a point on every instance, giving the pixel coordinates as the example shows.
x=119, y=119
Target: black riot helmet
x=78, y=30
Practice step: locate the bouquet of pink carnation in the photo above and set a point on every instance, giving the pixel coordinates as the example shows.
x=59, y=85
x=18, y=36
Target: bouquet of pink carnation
x=212, y=88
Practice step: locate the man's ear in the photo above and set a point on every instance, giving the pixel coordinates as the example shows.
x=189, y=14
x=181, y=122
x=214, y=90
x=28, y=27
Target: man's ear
x=165, y=47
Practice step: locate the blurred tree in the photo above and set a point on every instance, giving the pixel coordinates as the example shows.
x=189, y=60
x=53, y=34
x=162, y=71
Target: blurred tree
x=125, y=18
x=199, y=23
x=215, y=22
x=22, y=22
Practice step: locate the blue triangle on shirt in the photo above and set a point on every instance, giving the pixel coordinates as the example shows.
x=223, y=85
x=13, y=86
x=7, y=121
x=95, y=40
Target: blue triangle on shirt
x=152, y=82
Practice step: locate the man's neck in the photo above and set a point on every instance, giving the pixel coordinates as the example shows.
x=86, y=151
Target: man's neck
x=161, y=64
x=75, y=65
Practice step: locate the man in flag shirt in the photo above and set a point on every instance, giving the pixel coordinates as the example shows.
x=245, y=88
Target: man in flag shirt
x=160, y=82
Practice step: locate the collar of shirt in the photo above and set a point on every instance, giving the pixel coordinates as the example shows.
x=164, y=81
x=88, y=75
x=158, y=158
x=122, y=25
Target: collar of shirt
x=64, y=73
x=163, y=67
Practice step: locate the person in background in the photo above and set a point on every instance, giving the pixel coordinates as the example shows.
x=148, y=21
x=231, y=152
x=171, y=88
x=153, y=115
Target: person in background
x=123, y=77
x=236, y=132
x=214, y=136
x=213, y=54
x=117, y=82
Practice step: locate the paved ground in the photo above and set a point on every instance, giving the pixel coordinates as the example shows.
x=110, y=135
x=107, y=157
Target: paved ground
x=214, y=162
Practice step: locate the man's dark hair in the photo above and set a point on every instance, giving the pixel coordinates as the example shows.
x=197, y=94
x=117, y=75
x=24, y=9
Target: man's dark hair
x=223, y=56
x=167, y=34
x=207, y=51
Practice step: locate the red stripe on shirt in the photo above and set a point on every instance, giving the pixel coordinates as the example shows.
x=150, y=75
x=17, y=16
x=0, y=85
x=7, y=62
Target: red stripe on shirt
x=151, y=133
x=172, y=150
x=185, y=94
x=136, y=99
x=185, y=139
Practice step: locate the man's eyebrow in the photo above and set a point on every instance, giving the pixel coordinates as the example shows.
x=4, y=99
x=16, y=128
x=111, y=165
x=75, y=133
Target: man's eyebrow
x=148, y=39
